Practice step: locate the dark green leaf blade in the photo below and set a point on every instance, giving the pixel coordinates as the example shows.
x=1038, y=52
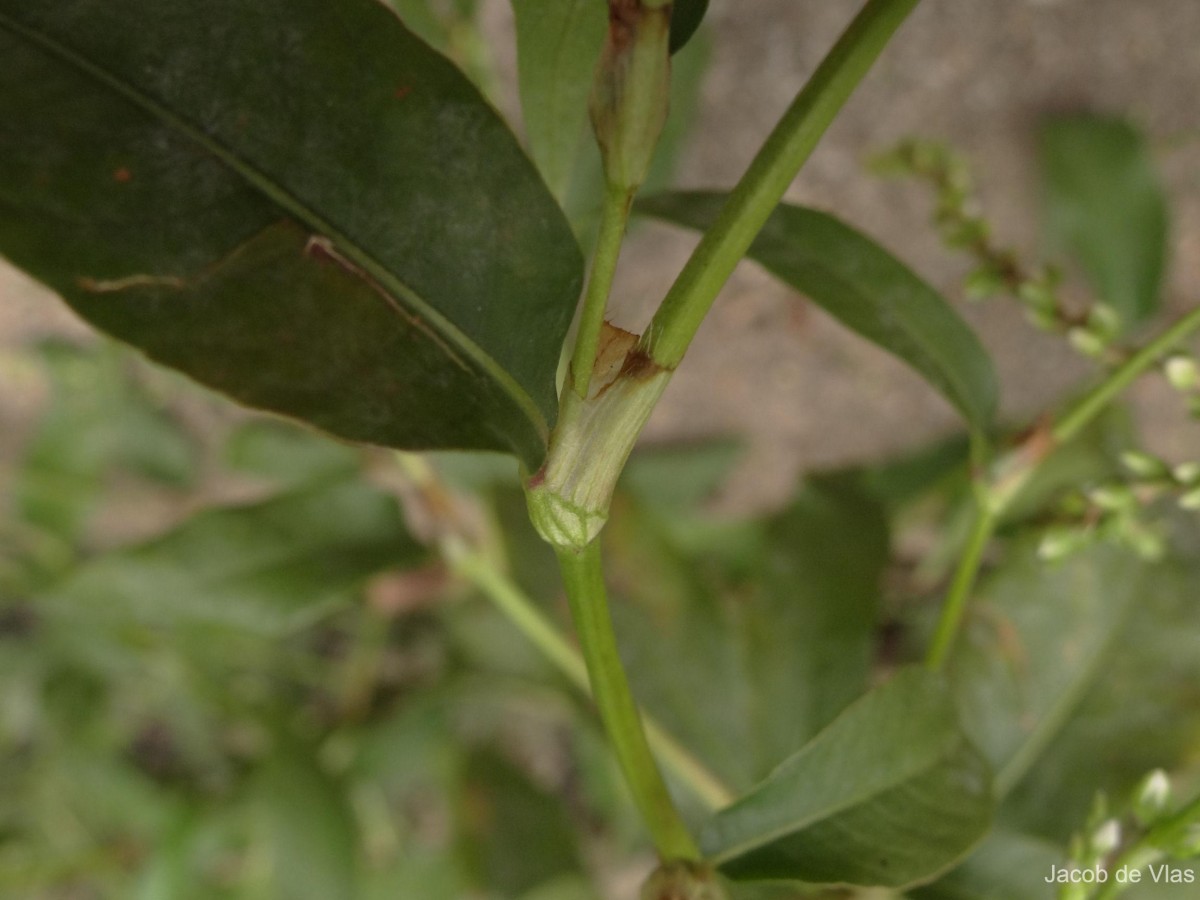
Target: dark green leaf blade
x=864, y=287
x=889, y=794
x=686, y=16
x=361, y=246
x=1104, y=205
x=558, y=43
x=419, y=18
x=265, y=568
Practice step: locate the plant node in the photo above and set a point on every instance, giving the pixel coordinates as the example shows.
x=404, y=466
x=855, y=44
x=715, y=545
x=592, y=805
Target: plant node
x=570, y=495
x=679, y=880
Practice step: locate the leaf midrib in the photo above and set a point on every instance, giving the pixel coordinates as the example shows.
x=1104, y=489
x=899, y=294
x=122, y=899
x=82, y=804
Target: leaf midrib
x=1064, y=705
x=297, y=209
x=928, y=348
x=942, y=750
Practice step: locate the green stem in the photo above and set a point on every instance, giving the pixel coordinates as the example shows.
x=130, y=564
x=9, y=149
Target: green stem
x=521, y=612
x=569, y=497
x=589, y=606
x=1147, y=850
x=529, y=620
x=614, y=216
x=706, y=786
x=1182, y=818
x=993, y=500
x=1104, y=393
x=960, y=588
x=765, y=181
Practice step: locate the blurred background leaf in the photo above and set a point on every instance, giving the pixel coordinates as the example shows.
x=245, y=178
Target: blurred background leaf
x=313, y=839
x=1104, y=204
x=269, y=567
x=745, y=671
x=558, y=44
x=101, y=421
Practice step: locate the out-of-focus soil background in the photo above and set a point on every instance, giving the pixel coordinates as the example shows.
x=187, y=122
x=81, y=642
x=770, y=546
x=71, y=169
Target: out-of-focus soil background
x=978, y=74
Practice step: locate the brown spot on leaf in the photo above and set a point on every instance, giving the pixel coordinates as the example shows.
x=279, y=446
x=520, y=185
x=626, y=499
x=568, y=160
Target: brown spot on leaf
x=122, y=175
x=402, y=91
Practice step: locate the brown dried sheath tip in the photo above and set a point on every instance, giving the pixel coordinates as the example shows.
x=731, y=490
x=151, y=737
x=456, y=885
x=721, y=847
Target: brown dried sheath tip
x=640, y=366
x=630, y=94
x=623, y=17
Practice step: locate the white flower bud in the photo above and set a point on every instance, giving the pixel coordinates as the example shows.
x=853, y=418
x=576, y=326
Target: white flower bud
x=1104, y=321
x=1151, y=797
x=1087, y=341
x=1182, y=372
x=1059, y=543
x=1187, y=473
x=1143, y=464
x=1106, y=838
x=1113, y=497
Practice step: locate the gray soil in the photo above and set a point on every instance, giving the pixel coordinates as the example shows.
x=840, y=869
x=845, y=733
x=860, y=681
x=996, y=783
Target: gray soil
x=977, y=74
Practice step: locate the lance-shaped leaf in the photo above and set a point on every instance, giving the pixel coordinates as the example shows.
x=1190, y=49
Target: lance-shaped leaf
x=866, y=289
x=296, y=202
x=890, y=793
